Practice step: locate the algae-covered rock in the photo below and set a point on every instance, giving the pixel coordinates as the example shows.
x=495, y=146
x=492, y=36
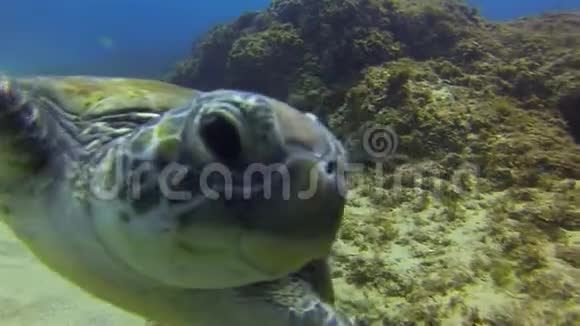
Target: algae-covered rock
x=265, y=60
x=468, y=209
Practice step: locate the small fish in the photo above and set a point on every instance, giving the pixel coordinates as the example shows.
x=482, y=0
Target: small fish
x=106, y=42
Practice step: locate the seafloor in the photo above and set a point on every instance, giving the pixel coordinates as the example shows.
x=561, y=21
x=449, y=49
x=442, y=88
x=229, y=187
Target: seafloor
x=475, y=216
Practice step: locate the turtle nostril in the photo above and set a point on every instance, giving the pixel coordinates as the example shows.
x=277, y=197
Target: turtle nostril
x=222, y=138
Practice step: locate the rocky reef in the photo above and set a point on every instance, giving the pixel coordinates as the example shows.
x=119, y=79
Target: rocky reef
x=468, y=211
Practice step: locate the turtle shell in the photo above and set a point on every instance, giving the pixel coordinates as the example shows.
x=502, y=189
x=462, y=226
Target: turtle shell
x=89, y=97
x=77, y=112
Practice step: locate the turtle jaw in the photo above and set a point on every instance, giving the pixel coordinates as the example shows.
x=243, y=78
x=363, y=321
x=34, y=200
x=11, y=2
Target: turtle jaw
x=277, y=256
x=296, y=225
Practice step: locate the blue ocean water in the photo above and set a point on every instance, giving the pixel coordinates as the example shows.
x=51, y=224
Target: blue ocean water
x=510, y=9
x=142, y=38
x=108, y=37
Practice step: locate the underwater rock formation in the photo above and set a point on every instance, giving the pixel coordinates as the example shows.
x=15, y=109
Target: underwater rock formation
x=474, y=217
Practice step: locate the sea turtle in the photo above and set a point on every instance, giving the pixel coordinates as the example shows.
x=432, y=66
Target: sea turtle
x=185, y=207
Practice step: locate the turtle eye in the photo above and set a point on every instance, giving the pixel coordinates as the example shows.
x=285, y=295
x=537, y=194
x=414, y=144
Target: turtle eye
x=222, y=138
x=331, y=167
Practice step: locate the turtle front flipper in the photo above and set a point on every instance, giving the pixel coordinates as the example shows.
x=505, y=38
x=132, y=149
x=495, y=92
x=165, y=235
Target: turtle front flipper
x=291, y=301
x=304, y=298
x=24, y=133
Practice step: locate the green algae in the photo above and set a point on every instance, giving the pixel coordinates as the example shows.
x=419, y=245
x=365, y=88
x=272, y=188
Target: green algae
x=476, y=219
x=277, y=50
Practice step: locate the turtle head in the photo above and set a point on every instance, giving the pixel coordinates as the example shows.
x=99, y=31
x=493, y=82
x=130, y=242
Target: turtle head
x=238, y=188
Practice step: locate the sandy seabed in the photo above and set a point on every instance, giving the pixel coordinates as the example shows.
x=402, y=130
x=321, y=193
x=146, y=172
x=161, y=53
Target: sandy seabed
x=33, y=295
